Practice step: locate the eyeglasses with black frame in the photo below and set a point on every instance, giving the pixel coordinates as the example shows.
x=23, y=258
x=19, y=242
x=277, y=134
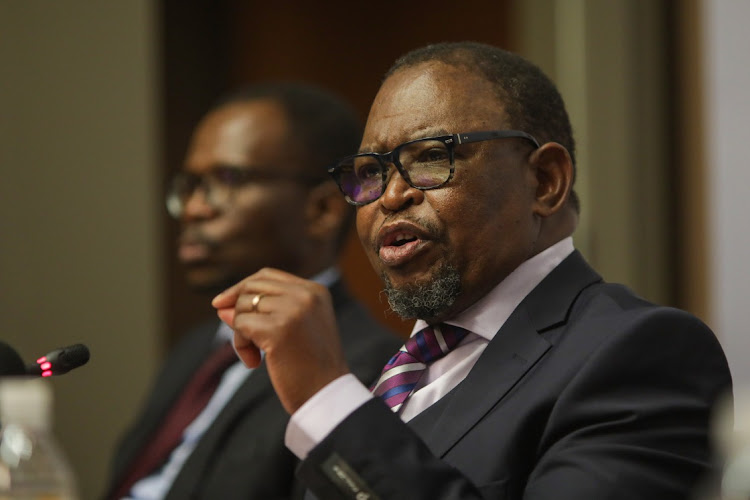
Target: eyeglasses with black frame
x=220, y=183
x=423, y=163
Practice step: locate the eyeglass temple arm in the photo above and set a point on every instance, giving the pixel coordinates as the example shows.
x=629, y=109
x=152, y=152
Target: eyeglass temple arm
x=494, y=134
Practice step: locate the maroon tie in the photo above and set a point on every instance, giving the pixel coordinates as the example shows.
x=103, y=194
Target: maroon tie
x=188, y=406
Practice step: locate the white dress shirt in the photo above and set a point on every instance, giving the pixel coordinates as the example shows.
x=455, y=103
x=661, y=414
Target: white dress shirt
x=314, y=420
x=157, y=485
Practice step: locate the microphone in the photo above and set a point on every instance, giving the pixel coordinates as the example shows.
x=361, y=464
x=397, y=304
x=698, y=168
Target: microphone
x=10, y=361
x=59, y=361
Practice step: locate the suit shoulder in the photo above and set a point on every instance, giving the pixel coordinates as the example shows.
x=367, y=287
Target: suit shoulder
x=618, y=304
x=609, y=321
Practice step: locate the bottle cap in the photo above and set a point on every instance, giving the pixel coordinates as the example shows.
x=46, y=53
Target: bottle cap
x=26, y=401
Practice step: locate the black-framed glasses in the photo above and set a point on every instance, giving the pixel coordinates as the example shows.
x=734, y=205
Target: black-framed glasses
x=423, y=163
x=220, y=183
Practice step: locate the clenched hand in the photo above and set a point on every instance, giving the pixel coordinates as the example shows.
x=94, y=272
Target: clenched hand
x=292, y=321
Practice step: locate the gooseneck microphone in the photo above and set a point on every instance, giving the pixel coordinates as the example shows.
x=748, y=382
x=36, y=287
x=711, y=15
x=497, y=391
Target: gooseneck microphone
x=59, y=361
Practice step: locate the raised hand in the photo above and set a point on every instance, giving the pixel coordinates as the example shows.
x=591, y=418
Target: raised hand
x=292, y=321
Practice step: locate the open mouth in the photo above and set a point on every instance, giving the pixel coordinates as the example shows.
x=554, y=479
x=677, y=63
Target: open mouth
x=400, y=239
x=399, y=245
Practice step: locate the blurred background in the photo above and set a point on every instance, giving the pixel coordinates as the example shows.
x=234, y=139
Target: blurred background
x=98, y=99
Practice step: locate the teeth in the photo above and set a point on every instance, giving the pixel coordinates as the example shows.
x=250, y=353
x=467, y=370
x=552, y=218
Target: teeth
x=401, y=238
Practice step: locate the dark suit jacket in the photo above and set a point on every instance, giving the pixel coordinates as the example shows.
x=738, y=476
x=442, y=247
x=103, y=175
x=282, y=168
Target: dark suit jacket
x=586, y=393
x=242, y=455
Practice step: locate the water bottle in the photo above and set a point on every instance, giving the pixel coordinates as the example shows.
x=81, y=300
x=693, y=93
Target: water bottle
x=32, y=464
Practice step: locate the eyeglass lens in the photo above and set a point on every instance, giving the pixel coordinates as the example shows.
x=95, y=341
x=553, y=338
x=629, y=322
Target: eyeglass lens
x=216, y=186
x=425, y=163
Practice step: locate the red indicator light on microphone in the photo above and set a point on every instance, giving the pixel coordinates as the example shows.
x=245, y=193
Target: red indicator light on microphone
x=46, y=366
x=47, y=373
x=41, y=360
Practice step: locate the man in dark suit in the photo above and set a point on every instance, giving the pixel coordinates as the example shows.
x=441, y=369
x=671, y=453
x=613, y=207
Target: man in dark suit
x=253, y=192
x=533, y=378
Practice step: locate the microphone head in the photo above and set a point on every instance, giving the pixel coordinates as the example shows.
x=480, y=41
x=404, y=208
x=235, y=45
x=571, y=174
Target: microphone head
x=60, y=361
x=10, y=361
x=73, y=356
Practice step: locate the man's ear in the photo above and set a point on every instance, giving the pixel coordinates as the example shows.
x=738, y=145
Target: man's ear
x=553, y=169
x=326, y=212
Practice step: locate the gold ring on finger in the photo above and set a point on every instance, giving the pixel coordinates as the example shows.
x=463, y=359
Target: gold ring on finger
x=256, y=300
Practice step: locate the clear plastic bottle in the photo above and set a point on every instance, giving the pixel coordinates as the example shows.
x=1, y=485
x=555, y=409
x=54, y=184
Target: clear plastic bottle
x=32, y=464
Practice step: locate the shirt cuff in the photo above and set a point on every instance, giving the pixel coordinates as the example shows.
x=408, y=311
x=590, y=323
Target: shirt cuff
x=320, y=414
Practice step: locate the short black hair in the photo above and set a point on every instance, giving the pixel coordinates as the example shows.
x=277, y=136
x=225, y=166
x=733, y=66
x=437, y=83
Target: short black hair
x=321, y=122
x=531, y=100
x=324, y=125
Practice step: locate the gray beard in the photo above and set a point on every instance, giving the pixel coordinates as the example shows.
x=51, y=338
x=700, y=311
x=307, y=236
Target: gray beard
x=425, y=301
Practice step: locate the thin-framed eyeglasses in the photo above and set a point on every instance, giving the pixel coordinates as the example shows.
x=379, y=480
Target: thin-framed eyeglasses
x=220, y=183
x=423, y=163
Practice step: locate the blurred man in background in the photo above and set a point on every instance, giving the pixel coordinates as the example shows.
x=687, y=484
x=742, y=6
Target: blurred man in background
x=253, y=192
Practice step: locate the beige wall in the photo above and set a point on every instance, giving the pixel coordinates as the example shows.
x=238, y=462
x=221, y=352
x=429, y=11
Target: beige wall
x=608, y=60
x=725, y=44
x=78, y=239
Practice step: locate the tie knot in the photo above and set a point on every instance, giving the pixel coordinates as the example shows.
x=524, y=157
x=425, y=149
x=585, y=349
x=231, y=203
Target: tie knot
x=403, y=371
x=434, y=342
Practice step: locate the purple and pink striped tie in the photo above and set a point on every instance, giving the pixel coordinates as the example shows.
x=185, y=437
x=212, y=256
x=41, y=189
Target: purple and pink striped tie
x=403, y=371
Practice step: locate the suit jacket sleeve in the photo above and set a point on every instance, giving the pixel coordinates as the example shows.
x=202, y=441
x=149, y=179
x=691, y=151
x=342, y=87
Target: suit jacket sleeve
x=630, y=420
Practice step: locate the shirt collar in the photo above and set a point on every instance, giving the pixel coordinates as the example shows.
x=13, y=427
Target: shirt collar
x=489, y=313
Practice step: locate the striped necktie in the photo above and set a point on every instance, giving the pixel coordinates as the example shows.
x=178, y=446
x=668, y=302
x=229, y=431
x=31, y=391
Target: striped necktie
x=403, y=371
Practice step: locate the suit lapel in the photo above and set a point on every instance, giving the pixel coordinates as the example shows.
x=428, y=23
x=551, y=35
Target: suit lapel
x=257, y=385
x=512, y=352
x=506, y=359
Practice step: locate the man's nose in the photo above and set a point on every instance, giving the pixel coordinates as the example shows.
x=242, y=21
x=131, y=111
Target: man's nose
x=398, y=193
x=198, y=206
